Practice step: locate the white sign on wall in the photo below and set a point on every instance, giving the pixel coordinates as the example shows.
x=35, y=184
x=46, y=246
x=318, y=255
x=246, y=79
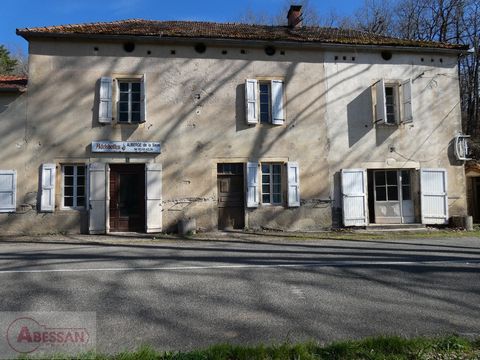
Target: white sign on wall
x=126, y=147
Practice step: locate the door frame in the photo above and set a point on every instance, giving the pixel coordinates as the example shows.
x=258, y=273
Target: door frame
x=140, y=169
x=244, y=180
x=400, y=200
x=107, y=194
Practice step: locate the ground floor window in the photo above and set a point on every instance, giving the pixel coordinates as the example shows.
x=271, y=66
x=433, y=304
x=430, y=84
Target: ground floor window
x=73, y=182
x=271, y=183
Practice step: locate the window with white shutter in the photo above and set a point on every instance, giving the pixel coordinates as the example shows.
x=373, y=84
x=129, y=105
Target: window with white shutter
x=264, y=101
x=407, y=101
x=8, y=190
x=252, y=184
x=293, y=178
x=105, y=103
x=47, y=198
x=389, y=109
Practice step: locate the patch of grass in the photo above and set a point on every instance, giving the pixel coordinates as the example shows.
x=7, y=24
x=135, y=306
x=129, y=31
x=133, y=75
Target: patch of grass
x=377, y=348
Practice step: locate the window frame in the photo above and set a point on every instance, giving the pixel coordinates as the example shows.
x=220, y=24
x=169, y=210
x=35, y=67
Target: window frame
x=128, y=81
x=74, y=186
x=12, y=173
x=395, y=103
x=271, y=183
x=267, y=83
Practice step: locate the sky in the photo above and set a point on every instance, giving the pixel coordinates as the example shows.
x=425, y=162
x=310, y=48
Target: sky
x=33, y=13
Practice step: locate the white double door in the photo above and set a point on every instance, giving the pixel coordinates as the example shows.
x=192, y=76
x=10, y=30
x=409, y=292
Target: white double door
x=393, y=202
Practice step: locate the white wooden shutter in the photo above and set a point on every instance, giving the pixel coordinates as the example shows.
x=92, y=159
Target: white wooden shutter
x=8, y=190
x=278, y=113
x=434, y=201
x=143, y=99
x=293, y=184
x=105, y=104
x=354, y=193
x=407, y=101
x=252, y=184
x=153, y=192
x=251, y=106
x=381, y=107
x=97, y=198
x=47, y=196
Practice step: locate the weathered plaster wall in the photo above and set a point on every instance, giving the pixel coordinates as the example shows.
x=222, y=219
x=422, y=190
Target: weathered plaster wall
x=195, y=109
x=355, y=142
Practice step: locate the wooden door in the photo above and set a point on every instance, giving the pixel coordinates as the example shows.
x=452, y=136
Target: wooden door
x=231, y=196
x=127, y=197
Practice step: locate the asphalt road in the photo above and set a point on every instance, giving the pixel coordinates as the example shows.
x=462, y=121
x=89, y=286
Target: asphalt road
x=187, y=294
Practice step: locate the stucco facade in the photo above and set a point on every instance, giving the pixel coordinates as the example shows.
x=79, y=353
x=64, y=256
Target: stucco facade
x=196, y=110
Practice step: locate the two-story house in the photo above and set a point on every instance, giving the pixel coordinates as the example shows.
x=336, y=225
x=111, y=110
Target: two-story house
x=137, y=125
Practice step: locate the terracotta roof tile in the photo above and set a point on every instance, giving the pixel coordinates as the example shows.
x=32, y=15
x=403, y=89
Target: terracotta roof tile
x=13, y=82
x=237, y=31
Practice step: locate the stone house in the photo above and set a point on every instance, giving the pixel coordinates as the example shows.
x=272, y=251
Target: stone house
x=140, y=125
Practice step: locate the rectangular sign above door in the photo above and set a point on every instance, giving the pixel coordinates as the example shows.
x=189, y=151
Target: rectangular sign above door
x=126, y=147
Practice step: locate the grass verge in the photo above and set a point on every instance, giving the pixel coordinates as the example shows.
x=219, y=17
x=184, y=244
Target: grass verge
x=378, y=348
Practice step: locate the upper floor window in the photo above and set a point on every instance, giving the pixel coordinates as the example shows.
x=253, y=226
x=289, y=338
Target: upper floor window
x=393, y=102
x=130, y=95
x=264, y=101
x=129, y=101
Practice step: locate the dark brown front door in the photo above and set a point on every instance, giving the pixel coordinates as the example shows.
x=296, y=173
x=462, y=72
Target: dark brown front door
x=231, y=209
x=127, y=197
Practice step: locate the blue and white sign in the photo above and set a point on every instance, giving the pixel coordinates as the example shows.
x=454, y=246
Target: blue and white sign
x=126, y=147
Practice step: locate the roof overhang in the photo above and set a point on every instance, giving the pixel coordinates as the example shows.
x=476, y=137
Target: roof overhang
x=241, y=42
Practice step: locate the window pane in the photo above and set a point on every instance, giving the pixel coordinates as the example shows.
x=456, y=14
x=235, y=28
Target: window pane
x=406, y=193
x=136, y=87
x=68, y=170
x=276, y=169
x=379, y=178
x=264, y=88
x=80, y=170
x=123, y=86
x=123, y=106
x=265, y=188
x=135, y=116
x=405, y=177
x=265, y=168
x=277, y=188
x=135, y=106
x=80, y=201
x=264, y=118
x=391, y=177
x=123, y=116
x=392, y=193
x=81, y=180
x=68, y=191
x=136, y=97
x=123, y=96
x=381, y=193
x=388, y=90
x=266, y=199
x=68, y=180
x=80, y=191
x=277, y=198
x=264, y=108
x=68, y=201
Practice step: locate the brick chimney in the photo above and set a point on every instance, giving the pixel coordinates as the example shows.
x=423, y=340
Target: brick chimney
x=294, y=16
